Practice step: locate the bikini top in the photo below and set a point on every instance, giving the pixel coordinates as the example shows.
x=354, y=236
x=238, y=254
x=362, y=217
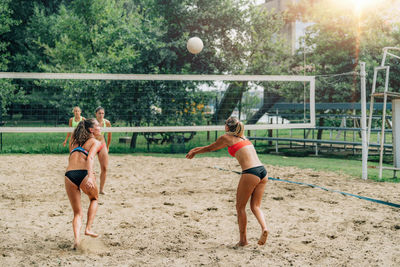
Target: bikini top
x=80, y=149
x=75, y=123
x=104, y=124
x=234, y=148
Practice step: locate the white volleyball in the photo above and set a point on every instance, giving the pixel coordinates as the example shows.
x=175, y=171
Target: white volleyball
x=194, y=45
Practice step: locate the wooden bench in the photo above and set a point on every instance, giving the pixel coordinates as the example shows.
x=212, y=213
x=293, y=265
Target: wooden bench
x=176, y=139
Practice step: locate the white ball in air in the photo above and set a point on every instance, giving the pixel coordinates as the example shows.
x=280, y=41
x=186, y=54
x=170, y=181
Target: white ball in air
x=194, y=45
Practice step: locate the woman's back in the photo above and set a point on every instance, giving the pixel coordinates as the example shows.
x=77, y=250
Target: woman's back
x=78, y=155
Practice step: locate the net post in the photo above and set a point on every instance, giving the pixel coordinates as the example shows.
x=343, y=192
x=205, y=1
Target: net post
x=1, y=124
x=208, y=132
x=364, y=123
x=312, y=101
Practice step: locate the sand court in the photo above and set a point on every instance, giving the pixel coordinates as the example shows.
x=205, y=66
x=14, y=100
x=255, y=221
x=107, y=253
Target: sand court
x=174, y=212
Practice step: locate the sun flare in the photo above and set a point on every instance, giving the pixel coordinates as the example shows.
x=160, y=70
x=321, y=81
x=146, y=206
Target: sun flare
x=366, y=3
x=358, y=5
x=362, y=3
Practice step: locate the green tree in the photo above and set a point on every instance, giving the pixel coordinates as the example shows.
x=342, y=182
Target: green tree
x=9, y=93
x=249, y=102
x=100, y=36
x=339, y=37
x=31, y=27
x=257, y=48
x=109, y=36
x=239, y=38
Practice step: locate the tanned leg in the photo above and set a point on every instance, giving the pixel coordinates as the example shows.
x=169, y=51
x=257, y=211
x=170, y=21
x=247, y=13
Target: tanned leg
x=74, y=195
x=245, y=188
x=93, y=196
x=255, y=205
x=103, y=159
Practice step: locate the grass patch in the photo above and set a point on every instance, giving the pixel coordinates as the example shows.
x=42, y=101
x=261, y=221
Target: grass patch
x=51, y=143
x=340, y=166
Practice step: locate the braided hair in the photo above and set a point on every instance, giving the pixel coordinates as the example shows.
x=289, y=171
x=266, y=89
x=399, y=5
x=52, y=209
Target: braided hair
x=81, y=133
x=236, y=127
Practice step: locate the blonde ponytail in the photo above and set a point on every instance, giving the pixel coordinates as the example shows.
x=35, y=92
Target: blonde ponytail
x=239, y=132
x=236, y=127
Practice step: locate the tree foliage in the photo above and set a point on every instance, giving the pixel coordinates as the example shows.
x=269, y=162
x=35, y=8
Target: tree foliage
x=337, y=39
x=258, y=49
x=9, y=93
x=109, y=36
x=149, y=37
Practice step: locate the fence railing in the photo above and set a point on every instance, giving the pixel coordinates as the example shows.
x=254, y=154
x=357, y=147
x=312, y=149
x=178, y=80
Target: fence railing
x=332, y=142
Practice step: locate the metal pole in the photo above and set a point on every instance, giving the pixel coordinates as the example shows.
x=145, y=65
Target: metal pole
x=215, y=116
x=382, y=141
x=277, y=121
x=1, y=124
x=383, y=123
x=240, y=108
x=364, y=122
x=395, y=134
x=371, y=105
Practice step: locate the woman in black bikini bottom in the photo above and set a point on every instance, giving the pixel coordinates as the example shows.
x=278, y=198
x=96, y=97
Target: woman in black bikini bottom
x=253, y=180
x=79, y=175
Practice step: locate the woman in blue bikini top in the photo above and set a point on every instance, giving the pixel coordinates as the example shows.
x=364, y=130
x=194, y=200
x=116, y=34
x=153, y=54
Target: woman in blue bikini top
x=79, y=175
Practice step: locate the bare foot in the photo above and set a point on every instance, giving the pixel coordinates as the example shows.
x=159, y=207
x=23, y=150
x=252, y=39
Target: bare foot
x=242, y=244
x=103, y=193
x=90, y=233
x=76, y=245
x=263, y=238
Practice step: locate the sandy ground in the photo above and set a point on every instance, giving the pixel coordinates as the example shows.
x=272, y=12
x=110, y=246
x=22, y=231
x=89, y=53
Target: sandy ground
x=179, y=212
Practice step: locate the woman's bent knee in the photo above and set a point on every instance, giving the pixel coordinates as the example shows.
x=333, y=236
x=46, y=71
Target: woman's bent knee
x=93, y=195
x=254, y=208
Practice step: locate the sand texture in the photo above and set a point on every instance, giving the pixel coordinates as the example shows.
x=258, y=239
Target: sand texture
x=180, y=212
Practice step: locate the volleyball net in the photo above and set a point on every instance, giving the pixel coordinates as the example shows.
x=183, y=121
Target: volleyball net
x=157, y=103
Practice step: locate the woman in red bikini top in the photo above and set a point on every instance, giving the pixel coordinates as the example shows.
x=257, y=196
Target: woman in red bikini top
x=253, y=179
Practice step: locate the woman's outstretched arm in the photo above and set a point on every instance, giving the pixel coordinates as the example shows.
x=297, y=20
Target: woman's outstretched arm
x=218, y=144
x=68, y=134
